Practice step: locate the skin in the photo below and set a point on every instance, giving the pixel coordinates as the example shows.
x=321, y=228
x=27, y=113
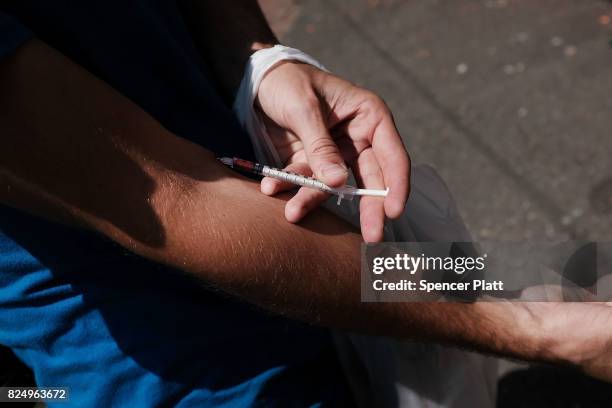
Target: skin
x=75, y=151
x=321, y=125
x=334, y=122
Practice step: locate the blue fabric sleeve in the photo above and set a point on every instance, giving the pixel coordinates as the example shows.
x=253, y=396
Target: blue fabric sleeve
x=12, y=34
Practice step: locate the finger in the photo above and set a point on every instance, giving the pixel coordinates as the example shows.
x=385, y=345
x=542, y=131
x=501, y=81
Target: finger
x=271, y=186
x=395, y=165
x=322, y=152
x=305, y=200
x=372, y=218
x=372, y=214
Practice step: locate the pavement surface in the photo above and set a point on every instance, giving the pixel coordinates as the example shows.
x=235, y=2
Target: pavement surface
x=510, y=100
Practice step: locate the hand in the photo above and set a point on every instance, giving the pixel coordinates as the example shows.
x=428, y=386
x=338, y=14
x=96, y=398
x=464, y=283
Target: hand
x=319, y=124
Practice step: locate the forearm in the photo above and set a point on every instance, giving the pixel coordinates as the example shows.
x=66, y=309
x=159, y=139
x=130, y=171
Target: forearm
x=75, y=151
x=226, y=34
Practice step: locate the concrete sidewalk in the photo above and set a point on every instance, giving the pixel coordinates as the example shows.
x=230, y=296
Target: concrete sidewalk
x=509, y=99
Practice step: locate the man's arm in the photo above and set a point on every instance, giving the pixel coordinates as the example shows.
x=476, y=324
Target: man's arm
x=75, y=151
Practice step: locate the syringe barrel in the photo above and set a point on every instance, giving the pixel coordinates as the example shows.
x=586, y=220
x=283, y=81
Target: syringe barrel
x=295, y=178
x=344, y=192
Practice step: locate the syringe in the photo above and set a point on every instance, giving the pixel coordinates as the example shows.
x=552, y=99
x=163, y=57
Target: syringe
x=346, y=192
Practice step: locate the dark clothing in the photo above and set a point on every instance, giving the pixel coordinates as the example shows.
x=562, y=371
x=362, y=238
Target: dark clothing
x=118, y=330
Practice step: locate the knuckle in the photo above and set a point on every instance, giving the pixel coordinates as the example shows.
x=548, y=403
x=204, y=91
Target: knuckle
x=323, y=146
x=375, y=103
x=375, y=98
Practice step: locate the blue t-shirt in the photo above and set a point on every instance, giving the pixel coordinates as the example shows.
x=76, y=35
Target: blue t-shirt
x=116, y=329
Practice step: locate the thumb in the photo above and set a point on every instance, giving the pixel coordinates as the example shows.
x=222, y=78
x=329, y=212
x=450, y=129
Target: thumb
x=322, y=152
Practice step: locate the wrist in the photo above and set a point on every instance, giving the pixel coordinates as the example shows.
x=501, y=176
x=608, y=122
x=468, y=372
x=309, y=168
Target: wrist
x=545, y=330
x=561, y=344
x=517, y=330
